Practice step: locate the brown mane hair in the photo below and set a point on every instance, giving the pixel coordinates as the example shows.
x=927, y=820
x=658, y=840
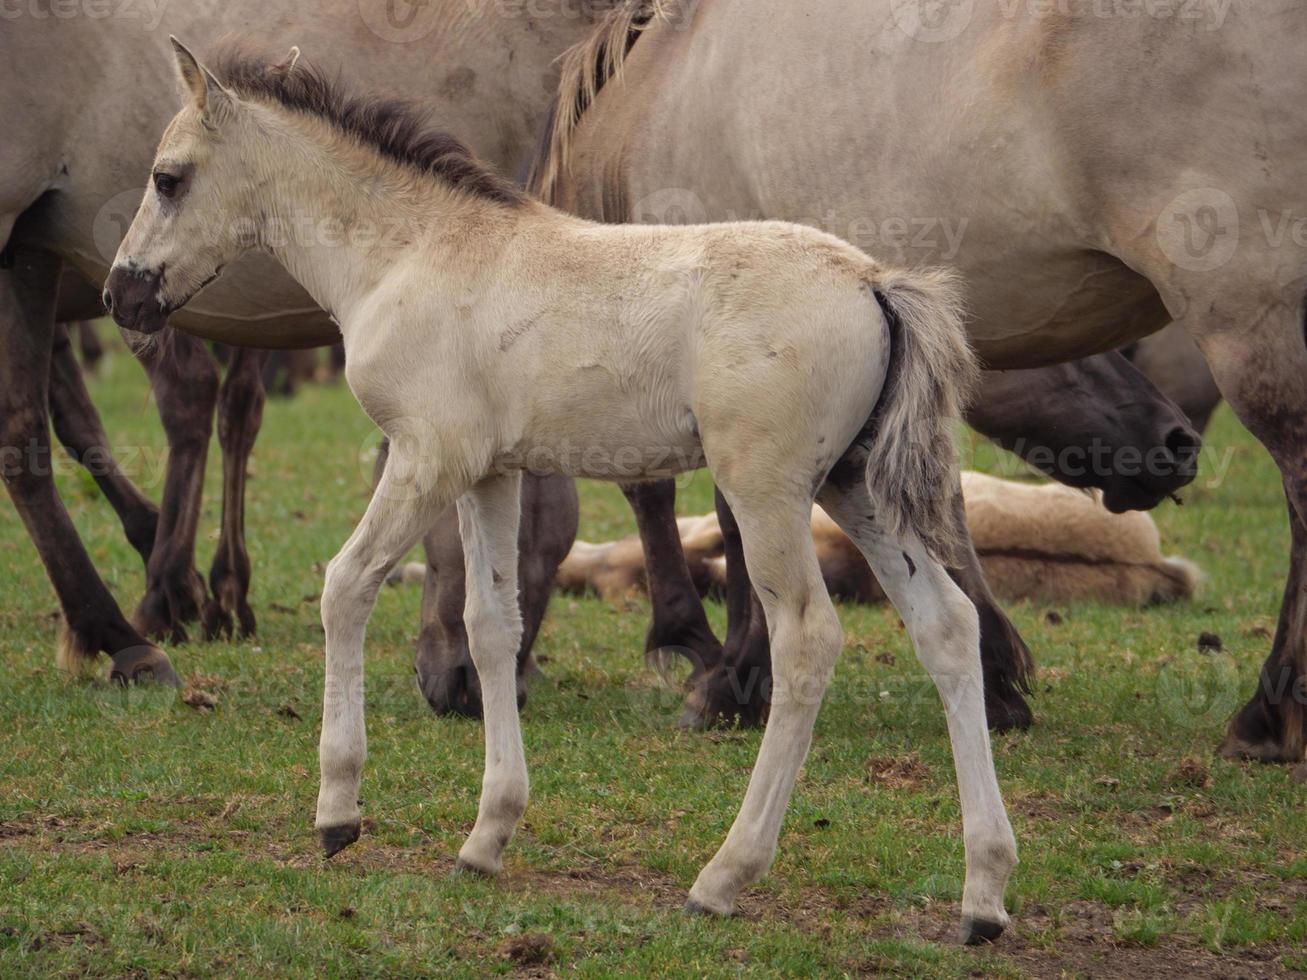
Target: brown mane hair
x=397, y=129
x=586, y=67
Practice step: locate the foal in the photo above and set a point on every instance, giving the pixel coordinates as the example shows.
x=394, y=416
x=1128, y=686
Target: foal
x=487, y=333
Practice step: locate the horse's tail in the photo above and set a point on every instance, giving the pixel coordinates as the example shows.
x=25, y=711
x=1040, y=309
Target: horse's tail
x=912, y=462
x=585, y=68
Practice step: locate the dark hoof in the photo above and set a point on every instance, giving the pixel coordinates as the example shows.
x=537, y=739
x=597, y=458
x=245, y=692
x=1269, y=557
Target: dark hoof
x=336, y=839
x=694, y=908
x=978, y=931
x=1012, y=714
x=141, y=665
x=170, y=603
x=720, y=701
x=458, y=691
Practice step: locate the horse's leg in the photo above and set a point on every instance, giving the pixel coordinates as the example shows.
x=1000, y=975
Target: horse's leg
x=1259, y=361
x=185, y=383
x=395, y=519
x=1004, y=656
x=92, y=618
x=945, y=631
x=805, y=641
x=488, y=522
x=446, y=674
x=78, y=426
x=738, y=688
x=88, y=343
x=679, y=622
x=240, y=414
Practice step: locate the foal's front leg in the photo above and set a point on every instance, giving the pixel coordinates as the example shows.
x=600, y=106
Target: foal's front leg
x=403, y=506
x=488, y=516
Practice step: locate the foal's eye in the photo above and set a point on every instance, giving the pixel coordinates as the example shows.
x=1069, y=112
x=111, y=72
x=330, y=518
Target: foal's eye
x=165, y=184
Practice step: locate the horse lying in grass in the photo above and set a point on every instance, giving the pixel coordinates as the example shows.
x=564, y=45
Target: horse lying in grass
x=1042, y=542
x=493, y=333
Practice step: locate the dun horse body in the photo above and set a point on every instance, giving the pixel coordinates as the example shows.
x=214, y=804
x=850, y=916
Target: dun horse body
x=1115, y=174
x=496, y=333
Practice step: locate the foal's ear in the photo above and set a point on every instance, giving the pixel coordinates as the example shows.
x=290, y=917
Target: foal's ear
x=288, y=62
x=206, y=92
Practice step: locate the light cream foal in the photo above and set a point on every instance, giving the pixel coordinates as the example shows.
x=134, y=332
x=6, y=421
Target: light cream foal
x=487, y=333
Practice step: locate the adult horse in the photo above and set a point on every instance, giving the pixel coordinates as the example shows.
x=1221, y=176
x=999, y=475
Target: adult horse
x=71, y=177
x=1115, y=174
x=66, y=195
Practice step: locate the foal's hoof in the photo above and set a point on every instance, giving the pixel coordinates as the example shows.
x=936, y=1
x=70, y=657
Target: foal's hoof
x=143, y=664
x=978, y=931
x=716, y=701
x=336, y=839
x=462, y=867
x=695, y=907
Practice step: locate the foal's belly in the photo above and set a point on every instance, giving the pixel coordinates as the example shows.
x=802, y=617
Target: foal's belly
x=625, y=454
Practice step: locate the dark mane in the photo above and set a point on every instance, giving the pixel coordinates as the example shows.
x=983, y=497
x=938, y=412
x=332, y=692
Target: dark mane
x=396, y=129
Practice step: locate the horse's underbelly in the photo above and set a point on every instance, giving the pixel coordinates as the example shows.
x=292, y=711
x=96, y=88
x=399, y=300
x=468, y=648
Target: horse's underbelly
x=1061, y=309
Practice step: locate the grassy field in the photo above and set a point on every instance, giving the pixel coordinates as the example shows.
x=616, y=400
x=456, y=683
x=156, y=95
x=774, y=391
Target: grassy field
x=141, y=835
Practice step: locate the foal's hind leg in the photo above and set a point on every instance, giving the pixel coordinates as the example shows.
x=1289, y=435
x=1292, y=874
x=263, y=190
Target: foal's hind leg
x=399, y=513
x=240, y=414
x=488, y=517
x=805, y=641
x=945, y=631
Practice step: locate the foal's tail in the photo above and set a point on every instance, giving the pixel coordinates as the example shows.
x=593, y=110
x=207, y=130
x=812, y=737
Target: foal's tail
x=912, y=462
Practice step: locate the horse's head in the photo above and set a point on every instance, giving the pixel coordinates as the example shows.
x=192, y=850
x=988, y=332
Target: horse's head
x=192, y=220
x=1096, y=422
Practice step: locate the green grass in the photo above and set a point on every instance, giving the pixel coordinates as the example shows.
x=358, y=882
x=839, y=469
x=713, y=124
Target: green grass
x=140, y=835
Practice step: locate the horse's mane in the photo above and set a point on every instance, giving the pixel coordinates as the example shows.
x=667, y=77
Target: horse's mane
x=586, y=67
x=396, y=129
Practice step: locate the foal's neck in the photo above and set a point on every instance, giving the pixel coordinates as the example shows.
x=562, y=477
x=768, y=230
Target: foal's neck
x=340, y=216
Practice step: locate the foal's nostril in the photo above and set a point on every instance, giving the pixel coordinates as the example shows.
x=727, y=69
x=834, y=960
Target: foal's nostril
x=107, y=298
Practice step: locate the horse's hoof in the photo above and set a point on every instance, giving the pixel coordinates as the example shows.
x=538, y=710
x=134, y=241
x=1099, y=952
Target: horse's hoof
x=462, y=867
x=336, y=839
x=138, y=665
x=694, y=908
x=978, y=931
x=1008, y=716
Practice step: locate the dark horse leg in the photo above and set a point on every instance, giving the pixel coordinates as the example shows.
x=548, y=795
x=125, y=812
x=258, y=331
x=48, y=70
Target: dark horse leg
x=1258, y=357
x=737, y=689
x=446, y=675
x=679, y=622
x=28, y=283
x=78, y=426
x=88, y=342
x=240, y=415
x=185, y=382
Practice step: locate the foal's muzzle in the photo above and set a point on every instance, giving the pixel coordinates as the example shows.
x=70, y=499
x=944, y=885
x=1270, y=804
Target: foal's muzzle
x=131, y=295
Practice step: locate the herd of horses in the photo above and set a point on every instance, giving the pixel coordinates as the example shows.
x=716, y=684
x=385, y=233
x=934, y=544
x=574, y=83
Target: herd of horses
x=483, y=324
